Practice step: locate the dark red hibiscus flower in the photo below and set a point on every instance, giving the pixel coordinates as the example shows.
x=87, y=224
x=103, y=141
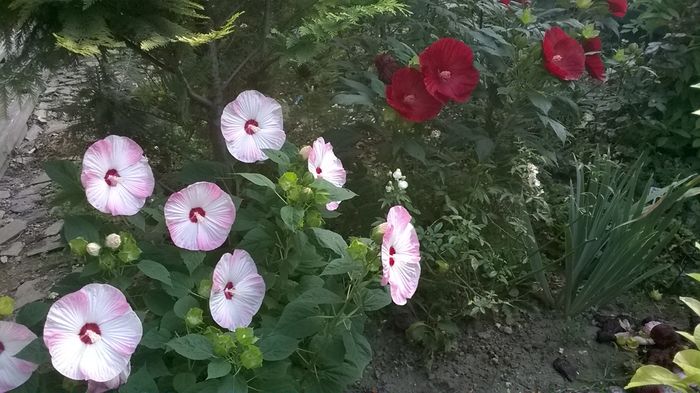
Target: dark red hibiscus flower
x=386, y=66
x=618, y=8
x=506, y=2
x=407, y=95
x=594, y=63
x=448, y=70
x=563, y=55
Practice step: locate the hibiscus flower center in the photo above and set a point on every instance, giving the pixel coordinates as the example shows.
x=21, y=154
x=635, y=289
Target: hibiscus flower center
x=228, y=290
x=2, y=347
x=111, y=177
x=196, y=214
x=445, y=75
x=251, y=127
x=90, y=333
x=318, y=171
x=409, y=99
x=557, y=58
x=392, y=251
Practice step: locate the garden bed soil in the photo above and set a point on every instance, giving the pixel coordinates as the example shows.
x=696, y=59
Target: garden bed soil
x=515, y=358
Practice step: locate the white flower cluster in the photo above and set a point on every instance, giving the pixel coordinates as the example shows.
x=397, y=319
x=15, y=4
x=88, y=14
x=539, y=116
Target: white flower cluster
x=400, y=180
x=533, y=181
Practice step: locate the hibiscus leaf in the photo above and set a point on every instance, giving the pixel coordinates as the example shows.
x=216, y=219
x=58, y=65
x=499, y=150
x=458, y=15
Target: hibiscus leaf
x=258, y=180
x=375, y=299
x=155, y=271
x=183, y=305
x=192, y=346
x=277, y=156
x=140, y=382
x=277, y=347
x=331, y=240
x=192, y=259
x=155, y=338
x=293, y=217
x=32, y=313
x=540, y=102
x=218, y=368
x=334, y=193
x=34, y=352
x=341, y=266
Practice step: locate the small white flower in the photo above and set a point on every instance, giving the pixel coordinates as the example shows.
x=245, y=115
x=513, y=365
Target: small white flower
x=52, y=295
x=389, y=188
x=403, y=184
x=93, y=249
x=397, y=174
x=113, y=241
x=435, y=134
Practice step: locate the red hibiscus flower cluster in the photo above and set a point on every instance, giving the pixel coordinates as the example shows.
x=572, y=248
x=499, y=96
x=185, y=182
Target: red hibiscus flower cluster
x=565, y=58
x=617, y=8
x=446, y=74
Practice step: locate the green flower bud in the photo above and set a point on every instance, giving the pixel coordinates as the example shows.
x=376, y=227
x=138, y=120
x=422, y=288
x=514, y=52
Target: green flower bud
x=129, y=250
x=589, y=31
x=656, y=295
x=584, y=4
x=7, y=306
x=107, y=261
x=294, y=194
x=194, y=317
x=287, y=181
x=252, y=357
x=377, y=234
x=358, y=250
x=245, y=336
x=313, y=218
x=78, y=246
x=442, y=266
x=204, y=288
x=620, y=56
x=527, y=18
x=223, y=343
x=321, y=198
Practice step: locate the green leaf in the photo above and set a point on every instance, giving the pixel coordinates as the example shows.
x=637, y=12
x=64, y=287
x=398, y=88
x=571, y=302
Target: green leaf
x=319, y=295
x=277, y=156
x=331, y=240
x=292, y=217
x=32, y=314
x=155, y=271
x=192, y=346
x=64, y=173
x=34, y=352
x=341, y=266
x=334, y=193
x=655, y=375
x=140, y=382
x=689, y=361
x=185, y=383
x=258, y=180
x=299, y=320
x=183, y=305
x=540, y=102
x=192, y=259
x=158, y=302
x=218, y=368
x=81, y=226
x=694, y=276
x=375, y=299
x=156, y=338
x=558, y=128
x=196, y=171
x=277, y=347
x=694, y=304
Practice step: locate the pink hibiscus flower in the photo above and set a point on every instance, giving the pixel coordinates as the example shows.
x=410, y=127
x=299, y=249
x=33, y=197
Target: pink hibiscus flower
x=116, y=176
x=250, y=123
x=325, y=165
x=199, y=217
x=92, y=333
x=112, y=384
x=13, y=371
x=237, y=290
x=400, y=255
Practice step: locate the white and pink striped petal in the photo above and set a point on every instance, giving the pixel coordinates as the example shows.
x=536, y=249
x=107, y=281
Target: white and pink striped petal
x=324, y=164
x=250, y=123
x=14, y=371
x=199, y=217
x=237, y=290
x=116, y=176
x=400, y=256
x=92, y=333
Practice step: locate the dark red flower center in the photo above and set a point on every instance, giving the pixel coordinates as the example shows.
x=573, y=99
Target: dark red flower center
x=318, y=171
x=392, y=251
x=250, y=127
x=111, y=177
x=90, y=333
x=196, y=214
x=410, y=99
x=2, y=347
x=445, y=75
x=228, y=290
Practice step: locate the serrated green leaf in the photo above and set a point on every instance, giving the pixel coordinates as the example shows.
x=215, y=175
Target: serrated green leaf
x=155, y=271
x=258, y=180
x=192, y=346
x=277, y=347
x=218, y=368
x=331, y=240
x=192, y=259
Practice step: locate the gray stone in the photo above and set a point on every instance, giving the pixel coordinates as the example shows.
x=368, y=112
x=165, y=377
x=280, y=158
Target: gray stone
x=42, y=178
x=28, y=292
x=2, y=214
x=14, y=249
x=50, y=89
x=41, y=115
x=4, y=194
x=11, y=230
x=33, y=133
x=3, y=259
x=55, y=126
x=54, y=229
x=22, y=206
x=31, y=190
x=48, y=246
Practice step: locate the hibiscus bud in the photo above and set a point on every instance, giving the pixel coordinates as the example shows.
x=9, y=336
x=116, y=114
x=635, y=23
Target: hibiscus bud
x=245, y=336
x=113, y=241
x=7, y=306
x=378, y=232
x=403, y=184
x=584, y=4
x=287, y=181
x=194, y=317
x=656, y=295
x=78, y=246
x=386, y=66
x=304, y=152
x=223, y=343
x=204, y=288
x=527, y=18
x=252, y=357
x=93, y=249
